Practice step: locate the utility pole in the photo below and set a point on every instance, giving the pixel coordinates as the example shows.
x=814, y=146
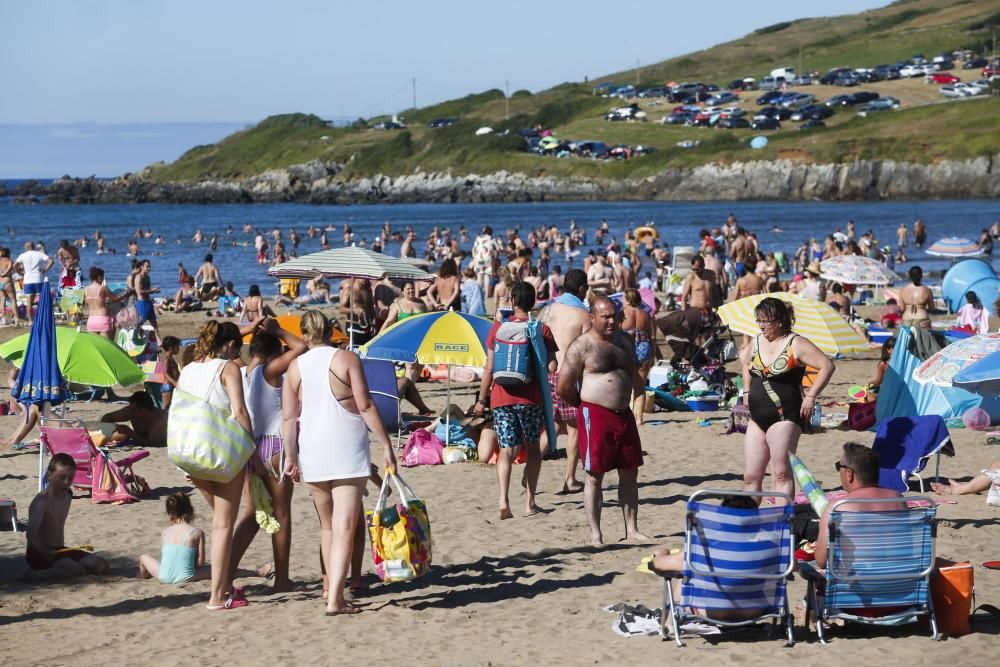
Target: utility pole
x=414, y=93
x=506, y=101
x=637, y=71
x=800, y=72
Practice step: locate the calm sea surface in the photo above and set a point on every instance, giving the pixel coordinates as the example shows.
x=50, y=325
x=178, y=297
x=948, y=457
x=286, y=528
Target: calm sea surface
x=678, y=224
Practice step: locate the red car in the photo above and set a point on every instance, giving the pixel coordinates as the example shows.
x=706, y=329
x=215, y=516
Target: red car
x=944, y=78
x=991, y=71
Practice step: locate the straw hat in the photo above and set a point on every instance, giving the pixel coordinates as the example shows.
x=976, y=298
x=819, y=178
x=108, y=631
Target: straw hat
x=814, y=268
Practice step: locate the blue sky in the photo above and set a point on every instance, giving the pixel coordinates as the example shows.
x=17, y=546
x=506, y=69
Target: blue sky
x=182, y=64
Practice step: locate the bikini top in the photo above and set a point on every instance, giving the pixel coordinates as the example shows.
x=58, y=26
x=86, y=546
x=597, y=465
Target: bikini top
x=784, y=362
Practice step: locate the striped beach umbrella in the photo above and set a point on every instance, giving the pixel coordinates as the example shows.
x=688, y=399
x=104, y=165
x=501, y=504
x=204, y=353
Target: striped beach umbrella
x=349, y=263
x=815, y=320
x=856, y=270
x=942, y=367
x=955, y=247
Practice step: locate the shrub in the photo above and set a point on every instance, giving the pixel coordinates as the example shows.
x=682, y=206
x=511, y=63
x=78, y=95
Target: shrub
x=292, y=120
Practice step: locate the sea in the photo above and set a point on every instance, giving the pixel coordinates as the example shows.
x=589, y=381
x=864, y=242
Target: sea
x=780, y=226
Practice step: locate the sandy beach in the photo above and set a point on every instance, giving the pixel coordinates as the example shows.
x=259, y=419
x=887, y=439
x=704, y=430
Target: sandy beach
x=523, y=591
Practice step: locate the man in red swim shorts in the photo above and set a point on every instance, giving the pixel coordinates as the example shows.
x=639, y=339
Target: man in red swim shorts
x=598, y=375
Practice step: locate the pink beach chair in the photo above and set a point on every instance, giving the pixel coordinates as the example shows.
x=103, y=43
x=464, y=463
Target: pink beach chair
x=115, y=480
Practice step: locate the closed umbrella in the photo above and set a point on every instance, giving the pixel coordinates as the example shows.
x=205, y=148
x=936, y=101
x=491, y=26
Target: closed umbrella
x=82, y=357
x=954, y=246
x=350, y=263
x=942, y=367
x=434, y=338
x=815, y=320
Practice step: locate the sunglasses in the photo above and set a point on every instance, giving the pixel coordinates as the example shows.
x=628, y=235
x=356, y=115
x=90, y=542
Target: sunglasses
x=840, y=466
x=765, y=323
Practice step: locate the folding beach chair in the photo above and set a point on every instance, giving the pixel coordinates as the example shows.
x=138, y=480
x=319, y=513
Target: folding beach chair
x=735, y=559
x=878, y=566
x=381, y=377
x=70, y=436
x=905, y=445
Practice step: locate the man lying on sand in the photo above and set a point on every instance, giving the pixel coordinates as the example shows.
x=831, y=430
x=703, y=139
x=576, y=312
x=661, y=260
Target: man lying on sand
x=149, y=423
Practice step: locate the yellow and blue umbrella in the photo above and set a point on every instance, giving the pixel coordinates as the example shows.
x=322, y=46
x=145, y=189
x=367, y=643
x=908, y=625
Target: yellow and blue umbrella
x=40, y=379
x=815, y=320
x=434, y=338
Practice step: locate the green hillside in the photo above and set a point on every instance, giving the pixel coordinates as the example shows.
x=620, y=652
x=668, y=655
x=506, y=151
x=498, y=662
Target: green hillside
x=922, y=131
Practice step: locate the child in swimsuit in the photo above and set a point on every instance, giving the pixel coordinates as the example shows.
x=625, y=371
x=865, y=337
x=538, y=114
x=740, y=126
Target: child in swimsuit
x=182, y=556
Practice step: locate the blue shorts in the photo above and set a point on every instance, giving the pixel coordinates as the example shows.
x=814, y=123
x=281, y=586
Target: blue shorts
x=518, y=424
x=145, y=311
x=166, y=388
x=32, y=288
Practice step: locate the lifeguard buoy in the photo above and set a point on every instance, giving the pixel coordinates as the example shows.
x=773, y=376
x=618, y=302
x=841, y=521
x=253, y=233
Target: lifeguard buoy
x=642, y=232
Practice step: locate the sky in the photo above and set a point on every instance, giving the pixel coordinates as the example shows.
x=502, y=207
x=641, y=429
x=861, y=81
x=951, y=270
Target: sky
x=186, y=71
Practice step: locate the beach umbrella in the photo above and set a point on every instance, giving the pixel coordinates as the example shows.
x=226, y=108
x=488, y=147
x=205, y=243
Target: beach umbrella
x=815, y=320
x=350, y=263
x=942, y=367
x=84, y=358
x=445, y=337
x=39, y=380
x=953, y=246
x=856, y=270
x=982, y=376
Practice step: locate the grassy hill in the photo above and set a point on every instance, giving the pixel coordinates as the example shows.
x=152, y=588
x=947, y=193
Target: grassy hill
x=923, y=131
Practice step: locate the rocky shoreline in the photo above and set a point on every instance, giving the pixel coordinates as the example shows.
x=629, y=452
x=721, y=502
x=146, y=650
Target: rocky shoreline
x=318, y=183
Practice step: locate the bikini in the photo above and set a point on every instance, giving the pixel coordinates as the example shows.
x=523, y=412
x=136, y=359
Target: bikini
x=776, y=388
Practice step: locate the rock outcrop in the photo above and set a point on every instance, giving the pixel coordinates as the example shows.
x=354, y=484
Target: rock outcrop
x=321, y=183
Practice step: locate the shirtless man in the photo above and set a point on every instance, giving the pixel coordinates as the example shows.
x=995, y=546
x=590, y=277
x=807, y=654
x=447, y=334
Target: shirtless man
x=69, y=258
x=902, y=235
x=407, y=249
x=600, y=275
x=750, y=283
x=357, y=302
x=599, y=376
x=740, y=250
x=568, y=319
x=211, y=279
x=713, y=264
x=916, y=301
x=624, y=276
x=919, y=233
x=149, y=423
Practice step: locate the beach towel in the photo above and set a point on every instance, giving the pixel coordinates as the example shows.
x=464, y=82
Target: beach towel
x=540, y=359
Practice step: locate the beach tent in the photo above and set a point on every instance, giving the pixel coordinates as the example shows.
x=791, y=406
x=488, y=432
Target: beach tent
x=902, y=396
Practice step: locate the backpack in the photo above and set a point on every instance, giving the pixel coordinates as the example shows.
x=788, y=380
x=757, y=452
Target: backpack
x=512, y=355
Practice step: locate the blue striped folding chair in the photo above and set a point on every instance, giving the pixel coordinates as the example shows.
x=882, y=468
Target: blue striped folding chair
x=737, y=563
x=878, y=566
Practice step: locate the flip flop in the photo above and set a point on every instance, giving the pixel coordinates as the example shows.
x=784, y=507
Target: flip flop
x=348, y=611
x=992, y=564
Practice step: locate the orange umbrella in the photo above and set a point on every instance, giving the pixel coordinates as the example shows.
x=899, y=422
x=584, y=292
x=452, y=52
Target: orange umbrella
x=293, y=324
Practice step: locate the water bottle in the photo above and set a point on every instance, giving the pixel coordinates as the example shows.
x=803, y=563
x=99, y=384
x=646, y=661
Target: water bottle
x=817, y=417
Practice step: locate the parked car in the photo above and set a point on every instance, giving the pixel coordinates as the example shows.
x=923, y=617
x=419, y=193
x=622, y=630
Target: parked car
x=797, y=100
x=733, y=123
x=970, y=89
x=771, y=83
x=953, y=92
x=769, y=97
x=991, y=71
x=942, y=65
x=838, y=101
x=682, y=118
x=683, y=97
x=812, y=123
x=975, y=63
x=722, y=98
x=631, y=112
x=442, y=122
x=861, y=97
x=831, y=76
x=915, y=70
x=732, y=112
x=778, y=113
x=943, y=78
x=765, y=123
x=802, y=80
x=388, y=125
x=847, y=80
x=888, y=72
x=657, y=91
x=812, y=111
x=748, y=83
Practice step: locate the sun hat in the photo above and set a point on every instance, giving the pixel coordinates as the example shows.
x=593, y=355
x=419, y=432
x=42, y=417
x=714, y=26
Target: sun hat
x=814, y=268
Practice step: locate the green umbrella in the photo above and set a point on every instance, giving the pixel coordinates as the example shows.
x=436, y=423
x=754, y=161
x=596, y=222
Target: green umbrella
x=84, y=358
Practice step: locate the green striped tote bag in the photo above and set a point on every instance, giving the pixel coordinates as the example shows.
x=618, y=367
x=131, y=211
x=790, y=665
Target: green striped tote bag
x=204, y=440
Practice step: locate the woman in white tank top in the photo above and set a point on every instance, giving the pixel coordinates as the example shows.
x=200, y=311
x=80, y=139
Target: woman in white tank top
x=326, y=408
x=216, y=379
x=271, y=352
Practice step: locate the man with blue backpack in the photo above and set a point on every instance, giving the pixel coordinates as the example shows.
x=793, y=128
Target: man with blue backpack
x=512, y=388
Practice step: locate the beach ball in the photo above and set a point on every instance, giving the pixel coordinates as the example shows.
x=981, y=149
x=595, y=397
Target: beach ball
x=977, y=419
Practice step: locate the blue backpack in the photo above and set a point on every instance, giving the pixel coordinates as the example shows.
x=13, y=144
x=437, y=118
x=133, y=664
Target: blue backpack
x=512, y=365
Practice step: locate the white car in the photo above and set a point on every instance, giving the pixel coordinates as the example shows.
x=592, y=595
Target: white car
x=954, y=92
x=971, y=88
x=722, y=98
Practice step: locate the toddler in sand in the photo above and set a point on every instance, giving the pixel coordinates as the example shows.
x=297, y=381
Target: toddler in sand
x=46, y=553
x=182, y=555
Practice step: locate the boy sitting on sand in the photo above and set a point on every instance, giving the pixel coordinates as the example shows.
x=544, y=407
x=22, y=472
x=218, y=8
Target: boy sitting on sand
x=47, y=555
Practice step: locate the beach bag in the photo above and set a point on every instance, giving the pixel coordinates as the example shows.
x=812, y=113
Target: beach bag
x=739, y=417
x=127, y=318
x=204, y=440
x=512, y=354
x=400, y=534
x=861, y=416
x=952, y=590
x=423, y=448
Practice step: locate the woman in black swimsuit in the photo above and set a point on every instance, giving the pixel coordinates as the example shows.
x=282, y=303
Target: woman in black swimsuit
x=773, y=366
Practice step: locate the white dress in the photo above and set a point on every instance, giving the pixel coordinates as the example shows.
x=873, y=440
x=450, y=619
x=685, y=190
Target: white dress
x=333, y=442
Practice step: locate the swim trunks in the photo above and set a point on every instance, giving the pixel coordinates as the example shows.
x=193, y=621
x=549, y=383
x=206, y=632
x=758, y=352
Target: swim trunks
x=561, y=410
x=518, y=424
x=32, y=288
x=609, y=439
x=38, y=561
x=146, y=312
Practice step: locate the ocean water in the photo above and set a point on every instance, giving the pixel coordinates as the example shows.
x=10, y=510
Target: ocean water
x=678, y=223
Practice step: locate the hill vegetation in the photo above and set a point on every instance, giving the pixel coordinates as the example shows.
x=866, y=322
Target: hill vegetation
x=920, y=132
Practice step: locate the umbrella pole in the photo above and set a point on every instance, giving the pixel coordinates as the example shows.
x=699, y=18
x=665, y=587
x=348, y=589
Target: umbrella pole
x=350, y=316
x=447, y=416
